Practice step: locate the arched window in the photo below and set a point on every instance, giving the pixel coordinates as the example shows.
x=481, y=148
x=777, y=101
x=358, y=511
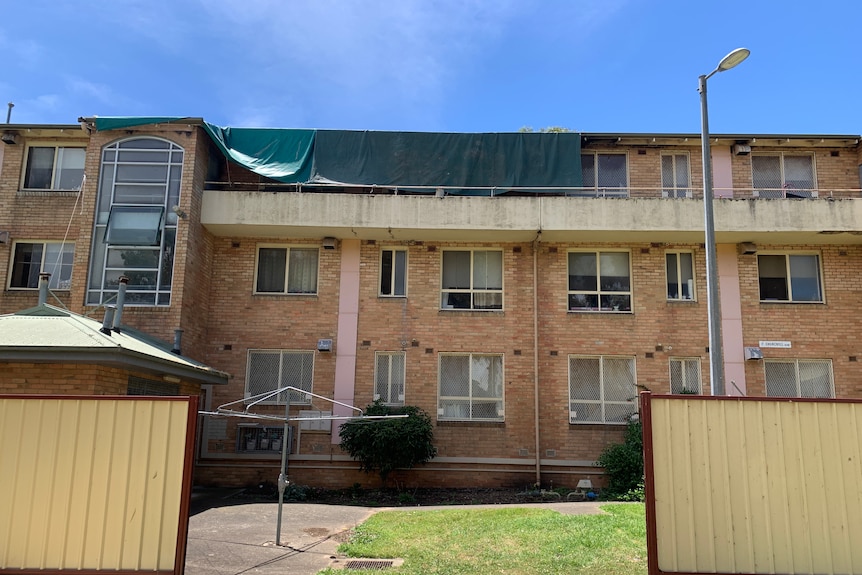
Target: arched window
x=135, y=230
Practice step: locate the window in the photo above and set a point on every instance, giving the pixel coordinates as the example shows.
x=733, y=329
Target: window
x=685, y=375
x=393, y=272
x=599, y=281
x=680, y=275
x=134, y=225
x=601, y=389
x=136, y=230
x=471, y=387
x=31, y=258
x=287, y=270
x=54, y=168
x=788, y=277
x=783, y=176
x=271, y=369
x=604, y=175
x=675, y=176
x=389, y=377
x=799, y=378
x=472, y=279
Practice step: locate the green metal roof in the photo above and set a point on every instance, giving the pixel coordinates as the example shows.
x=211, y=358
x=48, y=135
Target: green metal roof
x=49, y=334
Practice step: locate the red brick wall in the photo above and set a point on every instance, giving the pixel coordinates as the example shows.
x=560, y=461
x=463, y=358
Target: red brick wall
x=34, y=215
x=241, y=320
x=73, y=379
x=835, y=176
x=829, y=330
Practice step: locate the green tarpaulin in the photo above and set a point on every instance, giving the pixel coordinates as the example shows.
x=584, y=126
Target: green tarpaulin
x=283, y=155
x=472, y=164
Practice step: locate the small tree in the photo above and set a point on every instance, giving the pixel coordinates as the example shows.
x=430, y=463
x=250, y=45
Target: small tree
x=624, y=463
x=384, y=445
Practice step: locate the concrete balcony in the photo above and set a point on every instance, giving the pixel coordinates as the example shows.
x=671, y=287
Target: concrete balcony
x=520, y=219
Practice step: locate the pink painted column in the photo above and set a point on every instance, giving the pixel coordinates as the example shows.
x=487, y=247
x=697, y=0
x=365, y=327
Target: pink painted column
x=731, y=320
x=728, y=282
x=348, y=326
x=722, y=174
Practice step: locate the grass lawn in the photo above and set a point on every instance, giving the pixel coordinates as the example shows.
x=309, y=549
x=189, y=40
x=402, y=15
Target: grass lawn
x=509, y=540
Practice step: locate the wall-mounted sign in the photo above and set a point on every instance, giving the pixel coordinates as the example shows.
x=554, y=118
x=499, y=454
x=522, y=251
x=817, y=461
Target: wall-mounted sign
x=779, y=344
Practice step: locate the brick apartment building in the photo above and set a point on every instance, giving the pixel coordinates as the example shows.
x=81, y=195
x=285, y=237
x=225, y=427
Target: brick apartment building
x=519, y=288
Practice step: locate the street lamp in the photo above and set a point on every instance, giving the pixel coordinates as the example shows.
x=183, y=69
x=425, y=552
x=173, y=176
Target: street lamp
x=716, y=355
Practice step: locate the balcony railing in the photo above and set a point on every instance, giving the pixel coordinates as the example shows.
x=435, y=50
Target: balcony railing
x=572, y=192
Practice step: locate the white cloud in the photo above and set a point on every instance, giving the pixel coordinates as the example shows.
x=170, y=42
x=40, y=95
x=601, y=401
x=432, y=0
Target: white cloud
x=358, y=54
x=99, y=92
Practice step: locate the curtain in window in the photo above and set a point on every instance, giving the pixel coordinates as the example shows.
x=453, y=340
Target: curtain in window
x=614, y=268
x=58, y=263
x=798, y=173
x=302, y=272
x=297, y=371
x=70, y=169
x=772, y=272
x=805, y=278
x=588, y=170
x=456, y=270
x=612, y=171
x=814, y=379
x=780, y=378
x=40, y=168
x=487, y=270
x=766, y=172
x=487, y=376
x=271, y=269
x=582, y=272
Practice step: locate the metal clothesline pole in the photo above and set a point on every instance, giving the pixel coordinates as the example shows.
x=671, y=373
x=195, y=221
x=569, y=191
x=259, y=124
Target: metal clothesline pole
x=249, y=402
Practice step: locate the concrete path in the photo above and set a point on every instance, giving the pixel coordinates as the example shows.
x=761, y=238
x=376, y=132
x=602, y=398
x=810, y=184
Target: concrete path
x=240, y=539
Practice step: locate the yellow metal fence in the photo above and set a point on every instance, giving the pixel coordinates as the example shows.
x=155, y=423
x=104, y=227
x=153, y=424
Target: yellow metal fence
x=94, y=484
x=753, y=485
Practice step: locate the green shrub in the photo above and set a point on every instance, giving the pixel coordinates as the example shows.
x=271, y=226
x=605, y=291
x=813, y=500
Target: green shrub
x=383, y=445
x=624, y=466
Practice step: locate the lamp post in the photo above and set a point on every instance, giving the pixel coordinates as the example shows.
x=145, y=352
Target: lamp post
x=716, y=354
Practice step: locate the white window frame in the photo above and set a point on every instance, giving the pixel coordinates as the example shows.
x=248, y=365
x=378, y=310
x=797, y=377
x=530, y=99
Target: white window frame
x=59, y=152
x=788, y=278
x=58, y=281
x=296, y=398
x=686, y=386
x=785, y=188
x=121, y=185
x=798, y=383
x=473, y=292
x=574, y=418
x=392, y=379
x=675, y=189
x=471, y=399
x=599, y=292
x=593, y=189
x=288, y=248
x=394, y=272
x=690, y=283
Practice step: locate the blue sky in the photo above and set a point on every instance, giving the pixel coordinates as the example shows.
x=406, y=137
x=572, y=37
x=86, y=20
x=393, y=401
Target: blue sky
x=438, y=65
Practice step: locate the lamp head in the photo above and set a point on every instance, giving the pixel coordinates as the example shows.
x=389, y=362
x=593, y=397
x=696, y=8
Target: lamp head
x=733, y=59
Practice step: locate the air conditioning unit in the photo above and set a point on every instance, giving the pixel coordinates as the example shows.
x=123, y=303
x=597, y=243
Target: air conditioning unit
x=752, y=353
x=741, y=149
